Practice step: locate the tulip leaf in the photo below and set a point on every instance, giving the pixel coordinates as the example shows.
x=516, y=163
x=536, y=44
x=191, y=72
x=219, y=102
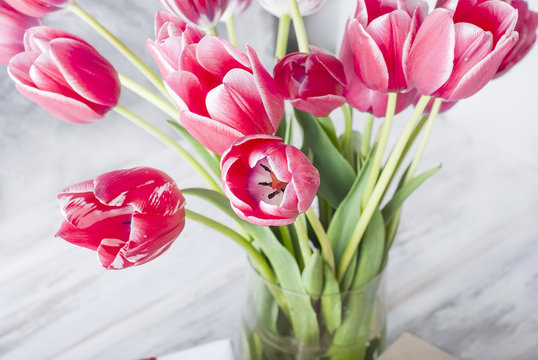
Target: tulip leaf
x=299, y=308
x=403, y=193
x=372, y=251
x=347, y=214
x=336, y=174
x=349, y=275
x=331, y=301
x=313, y=274
x=327, y=125
x=209, y=159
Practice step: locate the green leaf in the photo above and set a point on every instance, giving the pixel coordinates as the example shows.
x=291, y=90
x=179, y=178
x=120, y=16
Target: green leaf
x=347, y=280
x=313, y=274
x=403, y=193
x=299, y=308
x=327, y=125
x=209, y=159
x=347, y=214
x=372, y=251
x=331, y=301
x=336, y=174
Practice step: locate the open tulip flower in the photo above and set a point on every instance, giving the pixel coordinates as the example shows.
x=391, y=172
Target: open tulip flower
x=460, y=46
x=128, y=216
x=172, y=35
x=267, y=181
x=204, y=13
x=314, y=82
x=13, y=24
x=282, y=7
x=65, y=75
x=39, y=8
x=223, y=94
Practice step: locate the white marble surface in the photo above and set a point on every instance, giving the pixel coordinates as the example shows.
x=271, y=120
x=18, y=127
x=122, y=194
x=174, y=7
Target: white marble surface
x=463, y=273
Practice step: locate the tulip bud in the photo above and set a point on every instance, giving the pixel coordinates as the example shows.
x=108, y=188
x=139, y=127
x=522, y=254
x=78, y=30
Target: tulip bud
x=39, y=8
x=65, y=75
x=314, y=82
x=129, y=217
x=204, y=13
x=267, y=181
x=281, y=7
x=13, y=24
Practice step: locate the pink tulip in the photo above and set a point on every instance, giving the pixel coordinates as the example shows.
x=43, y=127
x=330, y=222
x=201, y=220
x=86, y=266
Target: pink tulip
x=172, y=35
x=526, y=26
x=282, y=7
x=459, y=47
x=236, y=7
x=13, y=24
x=223, y=94
x=362, y=97
x=39, y=8
x=267, y=181
x=65, y=75
x=204, y=13
x=128, y=216
x=314, y=82
x=379, y=38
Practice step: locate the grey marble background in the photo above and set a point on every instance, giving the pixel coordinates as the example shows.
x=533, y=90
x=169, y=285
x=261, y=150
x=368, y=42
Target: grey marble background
x=463, y=274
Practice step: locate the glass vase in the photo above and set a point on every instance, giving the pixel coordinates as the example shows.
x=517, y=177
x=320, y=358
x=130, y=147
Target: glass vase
x=351, y=325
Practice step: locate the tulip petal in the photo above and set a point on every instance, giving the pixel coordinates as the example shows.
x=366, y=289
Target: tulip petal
x=218, y=56
x=186, y=92
x=497, y=17
x=431, y=58
x=319, y=105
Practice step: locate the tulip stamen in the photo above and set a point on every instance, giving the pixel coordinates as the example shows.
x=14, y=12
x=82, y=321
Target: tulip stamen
x=279, y=186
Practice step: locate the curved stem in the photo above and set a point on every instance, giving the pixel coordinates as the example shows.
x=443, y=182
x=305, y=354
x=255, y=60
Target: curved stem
x=151, y=97
x=380, y=187
x=380, y=152
x=167, y=140
x=255, y=257
x=230, y=28
x=326, y=249
x=124, y=50
x=367, y=134
x=282, y=37
x=298, y=24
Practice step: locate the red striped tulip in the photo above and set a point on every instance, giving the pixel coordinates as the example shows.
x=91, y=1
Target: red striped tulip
x=314, y=82
x=267, y=181
x=527, y=23
x=65, y=75
x=13, y=24
x=39, y=8
x=282, y=7
x=459, y=47
x=129, y=217
x=223, y=94
x=379, y=37
x=172, y=35
x=204, y=13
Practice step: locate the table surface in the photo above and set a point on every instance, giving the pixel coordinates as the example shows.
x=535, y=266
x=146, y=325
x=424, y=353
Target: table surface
x=463, y=273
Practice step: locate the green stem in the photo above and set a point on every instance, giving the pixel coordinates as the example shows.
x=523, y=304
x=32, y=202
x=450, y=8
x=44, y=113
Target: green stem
x=380, y=188
x=367, y=134
x=212, y=30
x=286, y=239
x=124, y=50
x=380, y=151
x=167, y=140
x=151, y=97
x=255, y=257
x=326, y=249
x=298, y=24
x=230, y=28
x=346, y=143
x=302, y=236
x=282, y=37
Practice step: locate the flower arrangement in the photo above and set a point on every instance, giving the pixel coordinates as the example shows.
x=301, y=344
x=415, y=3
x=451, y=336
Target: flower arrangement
x=316, y=220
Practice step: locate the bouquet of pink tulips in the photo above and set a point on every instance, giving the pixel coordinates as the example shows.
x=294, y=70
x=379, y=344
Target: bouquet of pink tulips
x=313, y=211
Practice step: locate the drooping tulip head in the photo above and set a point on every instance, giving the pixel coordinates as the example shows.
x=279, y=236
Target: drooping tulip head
x=314, y=82
x=172, y=35
x=223, y=94
x=39, y=8
x=128, y=217
x=203, y=13
x=65, y=75
x=267, y=181
x=13, y=24
x=282, y=7
x=459, y=47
